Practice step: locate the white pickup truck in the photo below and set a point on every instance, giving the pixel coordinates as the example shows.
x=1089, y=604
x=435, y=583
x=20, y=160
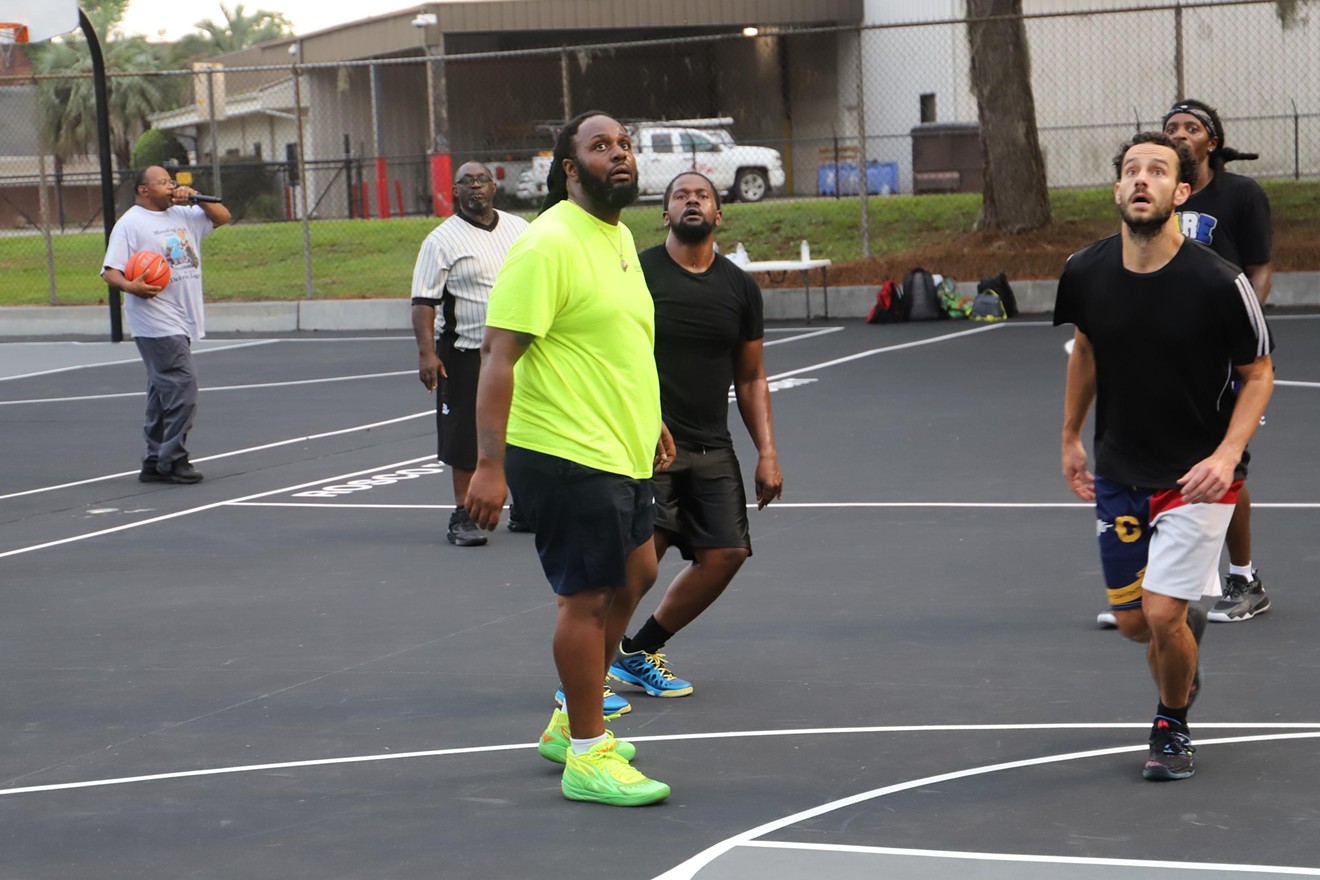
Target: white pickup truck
x=664, y=149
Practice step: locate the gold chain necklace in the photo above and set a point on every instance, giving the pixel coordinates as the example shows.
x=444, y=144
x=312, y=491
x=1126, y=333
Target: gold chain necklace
x=623, y=264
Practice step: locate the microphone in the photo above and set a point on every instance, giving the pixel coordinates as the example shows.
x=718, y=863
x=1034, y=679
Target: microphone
x=198, y=197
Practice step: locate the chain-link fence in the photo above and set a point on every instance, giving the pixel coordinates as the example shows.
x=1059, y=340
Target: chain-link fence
x=824, y=112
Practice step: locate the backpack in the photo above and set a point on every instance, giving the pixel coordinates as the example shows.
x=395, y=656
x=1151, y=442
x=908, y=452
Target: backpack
x=988, y=307
x=951, y=304
x=889, y=304
x=919, y=290
x=999, y=284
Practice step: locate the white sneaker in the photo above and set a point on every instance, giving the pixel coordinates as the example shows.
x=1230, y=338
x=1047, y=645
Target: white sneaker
x=1106, y=620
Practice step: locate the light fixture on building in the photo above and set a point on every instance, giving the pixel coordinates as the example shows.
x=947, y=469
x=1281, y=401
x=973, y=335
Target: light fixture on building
x=425, y=19
x=751, y=31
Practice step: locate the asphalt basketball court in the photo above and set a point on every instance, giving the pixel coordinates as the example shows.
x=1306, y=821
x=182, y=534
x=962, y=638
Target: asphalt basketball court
x=285, y=672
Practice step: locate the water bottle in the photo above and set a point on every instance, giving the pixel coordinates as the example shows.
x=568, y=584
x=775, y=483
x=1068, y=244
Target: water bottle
x=806, y=251
x=740, y=255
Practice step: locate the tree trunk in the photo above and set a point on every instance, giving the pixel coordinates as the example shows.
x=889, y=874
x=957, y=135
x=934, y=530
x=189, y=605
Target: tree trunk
x=1015, y=198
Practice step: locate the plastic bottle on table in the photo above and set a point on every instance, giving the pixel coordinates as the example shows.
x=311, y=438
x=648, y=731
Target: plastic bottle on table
x=806, y=251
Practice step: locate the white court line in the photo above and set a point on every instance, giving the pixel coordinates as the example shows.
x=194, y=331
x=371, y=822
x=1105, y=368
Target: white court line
x=888, y=348
x=826, y=505
x=345, y=506
x=688, y=869
x=220, y=455
x=1026, y=857
x=212, y=388
x=728, y=734
x=290, y=383
x=136, y=360
x=213, y=505
x=823, y=331
x=1297, y=384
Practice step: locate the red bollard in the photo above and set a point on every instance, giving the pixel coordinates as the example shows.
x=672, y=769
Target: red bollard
x=442, y=186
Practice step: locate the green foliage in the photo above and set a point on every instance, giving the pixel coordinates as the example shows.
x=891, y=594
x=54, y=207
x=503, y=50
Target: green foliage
x=374, y=258
x=157, y=147
x=66, y=107
x=238, y=31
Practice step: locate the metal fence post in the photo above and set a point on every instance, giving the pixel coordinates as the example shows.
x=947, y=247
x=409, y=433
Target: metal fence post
x=302, y=179
x=861, y=159
x=216, y=186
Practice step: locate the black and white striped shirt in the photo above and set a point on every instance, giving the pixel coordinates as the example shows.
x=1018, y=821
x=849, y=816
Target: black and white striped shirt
x=456, y=268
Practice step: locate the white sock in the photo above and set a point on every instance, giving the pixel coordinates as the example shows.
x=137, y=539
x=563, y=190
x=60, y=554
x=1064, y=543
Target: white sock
x=1241, y=570
x=582, y=746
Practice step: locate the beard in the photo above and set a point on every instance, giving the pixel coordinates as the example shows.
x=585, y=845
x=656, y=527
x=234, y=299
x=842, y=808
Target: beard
x=1146, y=228
x=692, y=234
x=602, y=192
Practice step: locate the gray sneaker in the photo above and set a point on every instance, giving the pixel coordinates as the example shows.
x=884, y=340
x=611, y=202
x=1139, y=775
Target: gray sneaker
x=463, y=532
x=1243, y=599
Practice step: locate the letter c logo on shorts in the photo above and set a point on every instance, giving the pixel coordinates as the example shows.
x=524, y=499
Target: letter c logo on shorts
x=1127, y=528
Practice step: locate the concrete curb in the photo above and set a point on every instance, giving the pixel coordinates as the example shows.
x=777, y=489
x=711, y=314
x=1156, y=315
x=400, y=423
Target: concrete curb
x=360, y=315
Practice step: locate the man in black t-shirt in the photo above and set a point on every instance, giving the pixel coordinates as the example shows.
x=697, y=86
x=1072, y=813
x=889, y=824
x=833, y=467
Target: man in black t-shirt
x=1161, y=324
x=1231, y=214
x=708, y=336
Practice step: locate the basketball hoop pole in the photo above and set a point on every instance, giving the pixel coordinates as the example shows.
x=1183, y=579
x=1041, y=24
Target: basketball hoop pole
x=103, y=146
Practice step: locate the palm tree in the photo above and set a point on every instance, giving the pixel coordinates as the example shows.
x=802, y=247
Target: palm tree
x=238, y=31
x=66, y=107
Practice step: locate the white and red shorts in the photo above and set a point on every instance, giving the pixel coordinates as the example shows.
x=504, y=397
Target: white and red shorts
x=1150, y=539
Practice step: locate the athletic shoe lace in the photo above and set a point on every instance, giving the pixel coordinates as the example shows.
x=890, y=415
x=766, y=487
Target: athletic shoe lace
x=607, y=760
x=661, y=667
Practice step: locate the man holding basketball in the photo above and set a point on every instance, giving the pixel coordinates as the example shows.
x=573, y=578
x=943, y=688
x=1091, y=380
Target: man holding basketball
x=455, y=271
x=1161, y=322
x=165, y=320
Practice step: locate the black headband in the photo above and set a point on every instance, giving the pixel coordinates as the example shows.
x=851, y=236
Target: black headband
x=1201, y=116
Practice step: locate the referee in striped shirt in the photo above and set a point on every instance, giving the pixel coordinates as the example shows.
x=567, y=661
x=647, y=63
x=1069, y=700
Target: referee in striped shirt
x=455, y=271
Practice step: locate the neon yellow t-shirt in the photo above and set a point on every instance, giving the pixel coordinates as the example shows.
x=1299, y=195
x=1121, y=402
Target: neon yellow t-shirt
x=586, y=389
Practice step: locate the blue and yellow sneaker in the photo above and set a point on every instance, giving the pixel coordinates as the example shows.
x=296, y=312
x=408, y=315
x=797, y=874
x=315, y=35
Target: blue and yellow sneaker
x=604, y=776
x=555, y=745
x=649, y=672
x=615, y=705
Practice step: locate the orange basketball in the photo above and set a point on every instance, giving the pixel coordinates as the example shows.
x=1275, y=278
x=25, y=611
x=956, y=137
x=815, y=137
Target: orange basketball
x=150, y=266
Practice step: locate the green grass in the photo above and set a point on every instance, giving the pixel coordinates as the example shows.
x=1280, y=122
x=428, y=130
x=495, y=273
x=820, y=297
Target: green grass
x=374, y=258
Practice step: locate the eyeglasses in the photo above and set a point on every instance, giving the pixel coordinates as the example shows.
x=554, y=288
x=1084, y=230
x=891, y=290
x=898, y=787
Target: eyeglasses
x=166, y=182
x=469, y=180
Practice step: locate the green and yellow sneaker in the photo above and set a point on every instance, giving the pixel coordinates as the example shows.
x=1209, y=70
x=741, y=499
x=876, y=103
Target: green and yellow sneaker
x=604, y=776
x=554, y=744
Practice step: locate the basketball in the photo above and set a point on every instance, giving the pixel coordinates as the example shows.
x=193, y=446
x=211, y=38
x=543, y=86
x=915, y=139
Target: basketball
x=150, y=266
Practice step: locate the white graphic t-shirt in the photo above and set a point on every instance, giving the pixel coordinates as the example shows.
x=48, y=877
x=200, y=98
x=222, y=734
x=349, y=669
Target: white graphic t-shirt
x=176, y=233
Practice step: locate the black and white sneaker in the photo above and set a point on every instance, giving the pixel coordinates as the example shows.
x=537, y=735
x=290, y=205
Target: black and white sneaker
x=1243, y=599
x=463, y=532
x=517, y=523
x=1171, y=751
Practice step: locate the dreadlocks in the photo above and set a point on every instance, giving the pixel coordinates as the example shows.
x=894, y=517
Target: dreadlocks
x=556, y=182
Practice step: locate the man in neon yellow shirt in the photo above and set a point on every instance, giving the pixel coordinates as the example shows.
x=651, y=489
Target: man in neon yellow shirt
x=568, y=409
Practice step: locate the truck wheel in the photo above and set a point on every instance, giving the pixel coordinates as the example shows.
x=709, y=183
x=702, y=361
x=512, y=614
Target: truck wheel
x=750, y=185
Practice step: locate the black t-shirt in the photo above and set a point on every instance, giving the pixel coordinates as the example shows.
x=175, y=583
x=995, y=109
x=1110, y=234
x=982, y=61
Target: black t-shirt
x=1232, y=216
x=701, y=321
x=1165, y=343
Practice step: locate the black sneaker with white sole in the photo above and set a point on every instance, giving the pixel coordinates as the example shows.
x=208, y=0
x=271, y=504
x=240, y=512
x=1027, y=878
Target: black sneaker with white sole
x=1243, y=599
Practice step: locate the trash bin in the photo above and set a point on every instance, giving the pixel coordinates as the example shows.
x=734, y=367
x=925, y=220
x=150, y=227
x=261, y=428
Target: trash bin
x=947, y=157
x=826, y=181
x=881, y=177
x=849, y=179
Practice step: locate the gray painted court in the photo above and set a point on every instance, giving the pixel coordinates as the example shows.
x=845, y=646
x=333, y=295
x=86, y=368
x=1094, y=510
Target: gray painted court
x=285, y=672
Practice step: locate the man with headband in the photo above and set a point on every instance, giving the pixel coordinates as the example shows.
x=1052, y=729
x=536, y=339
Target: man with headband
x=1230, y=214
